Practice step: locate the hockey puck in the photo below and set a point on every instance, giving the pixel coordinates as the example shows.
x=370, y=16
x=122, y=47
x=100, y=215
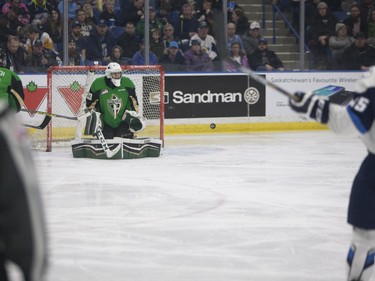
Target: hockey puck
x=212, y=126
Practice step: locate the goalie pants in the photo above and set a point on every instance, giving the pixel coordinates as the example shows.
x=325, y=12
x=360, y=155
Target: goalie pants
x=121, y=131
x=361, y=212
x=22, y=228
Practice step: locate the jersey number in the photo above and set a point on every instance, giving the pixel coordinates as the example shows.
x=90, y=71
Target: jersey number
x=360, y=104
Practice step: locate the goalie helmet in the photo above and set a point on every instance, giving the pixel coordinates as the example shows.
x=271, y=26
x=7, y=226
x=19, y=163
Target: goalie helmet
x=114, y=67
x=3, y=58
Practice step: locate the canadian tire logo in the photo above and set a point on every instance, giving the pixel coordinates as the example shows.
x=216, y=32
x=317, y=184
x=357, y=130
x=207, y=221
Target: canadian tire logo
x=251, y=95
x=34, y=96
x=73, y=96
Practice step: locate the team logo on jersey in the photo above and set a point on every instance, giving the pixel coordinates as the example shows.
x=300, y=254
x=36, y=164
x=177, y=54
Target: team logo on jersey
x=114, y=105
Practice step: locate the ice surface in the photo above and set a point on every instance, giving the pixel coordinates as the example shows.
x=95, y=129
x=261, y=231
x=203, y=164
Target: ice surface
x=262, y=206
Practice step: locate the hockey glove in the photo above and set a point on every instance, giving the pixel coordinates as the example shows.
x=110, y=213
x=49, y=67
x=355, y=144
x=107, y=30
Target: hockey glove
x=311, y=106
x=134, y=121
x=93, y=122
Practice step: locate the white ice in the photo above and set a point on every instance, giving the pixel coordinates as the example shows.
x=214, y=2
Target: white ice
x=236, y=207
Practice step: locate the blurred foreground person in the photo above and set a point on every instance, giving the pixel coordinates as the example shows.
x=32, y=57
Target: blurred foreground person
x=22, y=226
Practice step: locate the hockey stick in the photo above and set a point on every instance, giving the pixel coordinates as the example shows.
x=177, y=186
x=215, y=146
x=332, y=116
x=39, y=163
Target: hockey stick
x=49, y=115
x=46, y=119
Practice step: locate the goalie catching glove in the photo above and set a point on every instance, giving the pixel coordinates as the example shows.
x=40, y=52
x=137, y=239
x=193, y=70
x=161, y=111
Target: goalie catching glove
x=134, y=121
x=93, y=123
x=311, y=106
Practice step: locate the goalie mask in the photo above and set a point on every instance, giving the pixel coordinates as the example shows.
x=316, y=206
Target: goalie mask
x=3, y=58
x=114, y=72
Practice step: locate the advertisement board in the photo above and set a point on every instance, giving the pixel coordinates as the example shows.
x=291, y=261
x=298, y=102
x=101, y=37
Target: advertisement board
x=230, y=98
x=202, y=96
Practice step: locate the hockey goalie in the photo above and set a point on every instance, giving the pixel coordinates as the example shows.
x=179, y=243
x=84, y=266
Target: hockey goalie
x=113, y=118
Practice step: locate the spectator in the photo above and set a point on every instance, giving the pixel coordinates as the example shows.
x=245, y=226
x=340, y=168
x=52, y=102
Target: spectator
x=17, y=13
x=251, y=37
x=128, y=41
x=217, y=4
x=206, y=14
x=322, y=28
x=156, y=44
x=338, y=44
x=139, y=56
x=134, y=12
x=32, y=33
x=54, y=27
x=72, y=8
x=117, y=55
x=41, y=59
x=371, y=30
x=241, y=21
x=109, y=14
x=233, y=37
x=16, y=56
x=100, y=43
x=91, y=13
x=187, y=25
x=354, y=22
x=165, y=13
x=5, y=30
x=154, y=23
x=232, y=5
x=263, y=59
x=366, y=6
x=359, y=55
x=173, y=59
x=237, y=58
x=169, y=36
x=39, y=11
x=81, y=41
x=196, y=59
x=74, y=57
x=87, y=24
x=207, y=42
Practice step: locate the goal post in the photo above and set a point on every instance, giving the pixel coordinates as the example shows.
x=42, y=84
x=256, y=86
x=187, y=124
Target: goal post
x=66, y=96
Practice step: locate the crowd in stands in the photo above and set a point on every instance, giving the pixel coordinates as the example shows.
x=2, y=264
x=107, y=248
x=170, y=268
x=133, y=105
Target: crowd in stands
x=340, y=34
x=181, y=34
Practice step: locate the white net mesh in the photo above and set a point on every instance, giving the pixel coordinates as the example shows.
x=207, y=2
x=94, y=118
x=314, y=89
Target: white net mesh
x=66, y=96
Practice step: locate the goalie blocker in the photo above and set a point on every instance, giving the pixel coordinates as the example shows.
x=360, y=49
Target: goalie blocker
x=123, y=148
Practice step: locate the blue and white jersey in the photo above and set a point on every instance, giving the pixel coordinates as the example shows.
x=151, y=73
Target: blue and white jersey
x=358, y=117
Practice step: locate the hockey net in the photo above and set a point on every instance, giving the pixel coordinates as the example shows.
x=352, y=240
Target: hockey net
x=66, y=96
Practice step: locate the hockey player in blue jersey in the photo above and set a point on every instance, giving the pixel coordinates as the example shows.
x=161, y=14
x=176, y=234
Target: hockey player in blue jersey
x=358, y=117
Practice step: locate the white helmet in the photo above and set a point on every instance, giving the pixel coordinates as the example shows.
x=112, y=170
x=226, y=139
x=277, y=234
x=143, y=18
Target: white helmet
x=114, y=67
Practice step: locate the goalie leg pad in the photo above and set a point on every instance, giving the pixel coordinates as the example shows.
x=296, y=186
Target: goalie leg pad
x=134, y=121
x=93, y=122
x=361, y=255
x=130, y=149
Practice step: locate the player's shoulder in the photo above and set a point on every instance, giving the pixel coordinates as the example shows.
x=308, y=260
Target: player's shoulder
x=7, y=72
x=126, y=81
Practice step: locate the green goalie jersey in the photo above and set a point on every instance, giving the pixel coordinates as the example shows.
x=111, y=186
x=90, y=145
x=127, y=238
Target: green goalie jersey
x=111, y=101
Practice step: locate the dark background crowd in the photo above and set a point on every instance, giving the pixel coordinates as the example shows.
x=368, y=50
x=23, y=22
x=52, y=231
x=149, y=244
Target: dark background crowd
x=340, y=34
